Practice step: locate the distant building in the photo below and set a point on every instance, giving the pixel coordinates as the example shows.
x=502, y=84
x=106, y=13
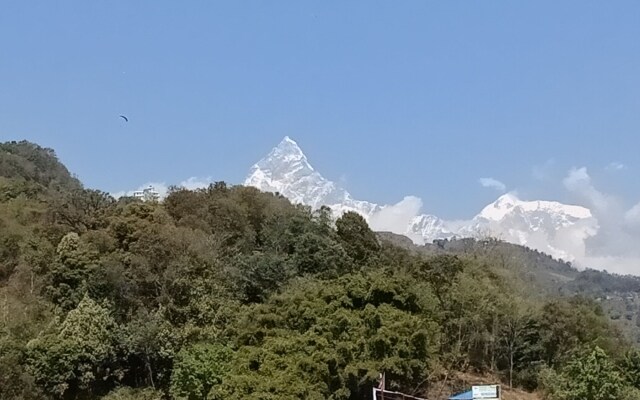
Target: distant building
x=147, y=194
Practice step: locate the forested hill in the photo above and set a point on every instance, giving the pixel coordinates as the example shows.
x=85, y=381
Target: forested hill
x=230, y=293
x=35, y=165
x=540, y=275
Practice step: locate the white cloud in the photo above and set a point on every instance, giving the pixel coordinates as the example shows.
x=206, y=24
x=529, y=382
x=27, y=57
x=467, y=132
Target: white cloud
x=396, y=218
x=493, y=183
x=119, y=194
x=615, y=166
x=632, y=217
x=578, y=181
x=613, y=246
x=196, y=183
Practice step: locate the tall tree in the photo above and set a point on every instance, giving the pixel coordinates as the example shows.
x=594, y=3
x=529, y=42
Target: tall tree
x=356, y=236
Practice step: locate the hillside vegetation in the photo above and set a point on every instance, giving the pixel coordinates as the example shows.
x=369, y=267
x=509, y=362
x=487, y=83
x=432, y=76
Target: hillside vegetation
x=541, y=276
x=230, y=293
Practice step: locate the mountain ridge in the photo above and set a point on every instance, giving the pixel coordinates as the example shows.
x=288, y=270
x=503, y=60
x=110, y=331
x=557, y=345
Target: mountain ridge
x=555, y=228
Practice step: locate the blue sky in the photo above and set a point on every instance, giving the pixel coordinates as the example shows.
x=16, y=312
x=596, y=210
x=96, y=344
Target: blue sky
x=391, y=98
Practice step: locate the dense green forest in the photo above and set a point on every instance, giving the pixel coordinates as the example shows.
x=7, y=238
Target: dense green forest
x=230, y=293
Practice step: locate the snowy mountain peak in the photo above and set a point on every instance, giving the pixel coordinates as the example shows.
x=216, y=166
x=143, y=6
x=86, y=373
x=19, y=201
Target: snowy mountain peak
x=288, y=140
x=509, y=204
x=286, y=170
x=501, y=207
x=286, y=155
x=508, y=199
x=289, y=148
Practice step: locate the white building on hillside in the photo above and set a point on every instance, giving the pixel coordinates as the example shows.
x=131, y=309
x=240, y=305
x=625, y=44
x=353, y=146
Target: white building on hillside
x=147, y=194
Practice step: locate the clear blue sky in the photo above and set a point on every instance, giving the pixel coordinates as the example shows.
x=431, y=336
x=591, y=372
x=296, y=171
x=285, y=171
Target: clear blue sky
x=394, y=98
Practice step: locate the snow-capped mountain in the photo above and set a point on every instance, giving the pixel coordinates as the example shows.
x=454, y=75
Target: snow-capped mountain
x=286, y=170
x=429, y=228
x=552, y=227
x=555, y=228
x=508, y=205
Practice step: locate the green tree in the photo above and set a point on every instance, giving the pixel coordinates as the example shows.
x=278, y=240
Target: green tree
x=519, y=341
x=80, y=356
x=358, y=239
x=330, y=339
x=588, y=376
x=151, y=343
x=68, y=276
x=567, y=325
x=630, y=365
x=198, y=369
x=441, y=272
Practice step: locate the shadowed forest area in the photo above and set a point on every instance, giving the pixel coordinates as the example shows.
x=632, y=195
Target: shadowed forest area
x=231, y=293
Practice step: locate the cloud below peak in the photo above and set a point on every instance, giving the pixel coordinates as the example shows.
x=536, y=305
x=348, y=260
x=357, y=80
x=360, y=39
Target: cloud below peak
x=396, y=217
